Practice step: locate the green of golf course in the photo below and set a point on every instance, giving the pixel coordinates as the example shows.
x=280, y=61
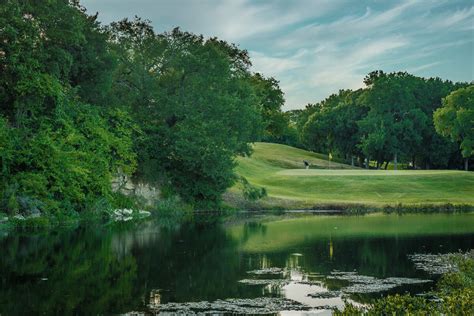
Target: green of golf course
x=280, y=170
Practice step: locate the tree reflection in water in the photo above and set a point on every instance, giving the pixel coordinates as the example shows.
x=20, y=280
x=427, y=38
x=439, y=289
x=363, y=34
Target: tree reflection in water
x=123, y=268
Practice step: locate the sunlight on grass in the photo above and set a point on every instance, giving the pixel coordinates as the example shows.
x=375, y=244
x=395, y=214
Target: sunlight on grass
x=280, y=170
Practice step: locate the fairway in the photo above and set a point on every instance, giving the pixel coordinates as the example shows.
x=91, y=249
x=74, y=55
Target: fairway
x=280, y=170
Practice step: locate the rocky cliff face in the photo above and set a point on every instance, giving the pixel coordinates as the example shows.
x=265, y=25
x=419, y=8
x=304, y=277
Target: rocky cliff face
x=148, y=193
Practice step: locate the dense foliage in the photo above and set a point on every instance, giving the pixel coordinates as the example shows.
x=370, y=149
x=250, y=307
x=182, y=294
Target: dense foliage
x=58, y=148
x=455, y=119
x=195, y=100
x=81, y=103
x=392, y=120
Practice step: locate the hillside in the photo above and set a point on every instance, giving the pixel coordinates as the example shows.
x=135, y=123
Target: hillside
x=280, y=170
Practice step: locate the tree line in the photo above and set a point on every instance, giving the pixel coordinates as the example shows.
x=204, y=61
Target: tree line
x=397, y=118
x=80, y=102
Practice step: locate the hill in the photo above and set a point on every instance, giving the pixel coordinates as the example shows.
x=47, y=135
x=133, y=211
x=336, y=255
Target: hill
x=280, y=170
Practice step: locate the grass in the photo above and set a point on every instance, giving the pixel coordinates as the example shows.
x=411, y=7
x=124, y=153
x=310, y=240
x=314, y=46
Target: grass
x=280, y=170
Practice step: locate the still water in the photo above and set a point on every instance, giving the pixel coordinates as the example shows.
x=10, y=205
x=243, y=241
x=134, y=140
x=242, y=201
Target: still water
x=248, y=264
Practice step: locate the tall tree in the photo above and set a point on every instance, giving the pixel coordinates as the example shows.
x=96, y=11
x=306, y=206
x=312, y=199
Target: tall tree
x=195, y=101
x=270, y=101
x=333, y=127
x=57, y=151
x=395, y=122
x=455, y=119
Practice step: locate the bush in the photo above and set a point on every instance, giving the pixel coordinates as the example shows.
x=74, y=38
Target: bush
x=67, y=163
x=251, y=192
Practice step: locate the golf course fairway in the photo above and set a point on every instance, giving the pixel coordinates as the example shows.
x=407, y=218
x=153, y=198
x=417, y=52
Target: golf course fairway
x=280, y=170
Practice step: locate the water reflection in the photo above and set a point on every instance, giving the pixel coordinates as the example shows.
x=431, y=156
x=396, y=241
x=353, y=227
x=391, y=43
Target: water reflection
x=96, y=270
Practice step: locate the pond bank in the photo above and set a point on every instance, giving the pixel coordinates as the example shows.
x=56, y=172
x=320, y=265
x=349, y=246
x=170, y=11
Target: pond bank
x=235, y=201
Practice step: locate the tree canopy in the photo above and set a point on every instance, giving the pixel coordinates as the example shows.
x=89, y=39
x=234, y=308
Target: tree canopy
x=59, y=149
x=455, y=119
x=388, y=120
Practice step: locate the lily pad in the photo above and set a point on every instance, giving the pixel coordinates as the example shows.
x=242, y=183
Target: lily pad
x=328, y=294
x=264, y=281
x=267, y=271
x=370, y=284
x=433, y=264
x=260, y=305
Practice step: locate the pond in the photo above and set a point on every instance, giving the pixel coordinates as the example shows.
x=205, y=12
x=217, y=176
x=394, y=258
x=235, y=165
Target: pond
x=224, y=264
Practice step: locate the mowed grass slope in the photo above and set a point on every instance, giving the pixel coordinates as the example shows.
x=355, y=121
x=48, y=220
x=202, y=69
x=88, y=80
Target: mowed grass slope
x=280, y=170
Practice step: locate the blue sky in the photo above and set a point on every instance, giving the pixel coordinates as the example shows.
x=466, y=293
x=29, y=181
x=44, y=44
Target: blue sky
x=316, y=47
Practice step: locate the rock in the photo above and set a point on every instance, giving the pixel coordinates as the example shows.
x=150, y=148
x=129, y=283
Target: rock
x=29, y=206
x=143, y=213
x=123, y=212
x=145, y=191
x=122, y=215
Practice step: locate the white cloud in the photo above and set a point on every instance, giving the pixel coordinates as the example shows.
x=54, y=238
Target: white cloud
x=422, y=67
x=315, y=48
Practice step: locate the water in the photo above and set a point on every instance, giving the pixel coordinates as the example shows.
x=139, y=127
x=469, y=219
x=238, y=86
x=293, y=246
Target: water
x=141, y=267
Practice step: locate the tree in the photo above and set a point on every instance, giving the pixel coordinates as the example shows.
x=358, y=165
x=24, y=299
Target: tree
x=270, y=100
x=58, y=152
x=455, y=119
x=194, y=99
x=333, y=127
x=395, y=122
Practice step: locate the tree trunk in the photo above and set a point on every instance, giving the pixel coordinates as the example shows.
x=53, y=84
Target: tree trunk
x=367, y=163
x=466, y=164
x=352, y=161
x=386, y=165
x=395, y=162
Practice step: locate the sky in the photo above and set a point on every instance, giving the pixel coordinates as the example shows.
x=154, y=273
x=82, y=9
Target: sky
x=316, y=47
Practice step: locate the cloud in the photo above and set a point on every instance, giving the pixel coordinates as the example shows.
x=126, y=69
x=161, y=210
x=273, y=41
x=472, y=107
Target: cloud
x=463, y=18
x=423, y=67
x=315, y=48
x=339, y=53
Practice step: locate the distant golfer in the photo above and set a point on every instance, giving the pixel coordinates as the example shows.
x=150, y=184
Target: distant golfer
x=306, y=164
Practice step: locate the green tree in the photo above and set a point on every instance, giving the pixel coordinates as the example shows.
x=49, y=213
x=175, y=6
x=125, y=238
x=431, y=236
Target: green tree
x=395, y=122
x=270, y=100
x=455, y=119
x=333, y=126
x=196, y=104
x=60, y=152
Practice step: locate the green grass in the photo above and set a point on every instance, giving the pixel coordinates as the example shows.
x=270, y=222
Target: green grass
x=280, y=170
